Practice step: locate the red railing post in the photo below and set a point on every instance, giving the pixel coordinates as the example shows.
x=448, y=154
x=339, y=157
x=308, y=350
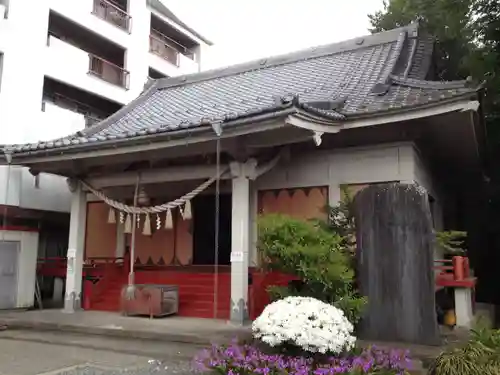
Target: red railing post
x=466, y=268
x=126, y=263
x=458, y=267
x=87, y=294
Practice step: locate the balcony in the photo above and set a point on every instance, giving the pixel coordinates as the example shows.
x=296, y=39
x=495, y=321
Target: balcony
x=88, y=15
x=180, y=60
x=112, y=14
x=86, y=114
x=70, y=65
x=108, y=71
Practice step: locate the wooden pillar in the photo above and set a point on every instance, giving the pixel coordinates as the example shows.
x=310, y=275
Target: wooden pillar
x=240, y=238
x=76, y=242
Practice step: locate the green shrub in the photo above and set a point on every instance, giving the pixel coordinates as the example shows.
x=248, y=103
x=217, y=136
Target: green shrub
x=480, y=355
x=315, y=255
x=486, y=336
x=341, y=220
x=451, y=242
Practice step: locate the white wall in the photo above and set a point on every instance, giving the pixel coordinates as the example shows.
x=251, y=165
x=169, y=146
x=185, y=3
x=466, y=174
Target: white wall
x=26, y=265
x=333, y=168
x=57, y=122
x=27, y=58
x=52, y=193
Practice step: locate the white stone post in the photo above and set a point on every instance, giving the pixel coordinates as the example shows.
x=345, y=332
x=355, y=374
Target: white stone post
x=76, y=241
x=463, y=307
x=240, y=238
x=57, y=294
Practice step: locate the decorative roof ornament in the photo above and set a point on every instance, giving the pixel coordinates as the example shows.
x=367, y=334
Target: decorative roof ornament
x=317, y=138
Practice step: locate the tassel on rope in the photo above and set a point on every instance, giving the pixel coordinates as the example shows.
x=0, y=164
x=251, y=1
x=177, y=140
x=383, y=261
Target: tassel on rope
x=187, y=215
x=147, y=226
x=111, y=216
x=169, y=222
x=128, y=224
x=158, y=222
x=138, y=221
x=122, y=217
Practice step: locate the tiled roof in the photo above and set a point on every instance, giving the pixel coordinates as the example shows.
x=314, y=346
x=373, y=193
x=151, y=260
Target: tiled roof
x=367, y=76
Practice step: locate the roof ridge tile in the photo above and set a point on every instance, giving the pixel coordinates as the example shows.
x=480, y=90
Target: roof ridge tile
x=389, y=36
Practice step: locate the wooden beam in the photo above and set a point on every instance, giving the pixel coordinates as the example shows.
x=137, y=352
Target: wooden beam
x=153, y=176
x=199, y=135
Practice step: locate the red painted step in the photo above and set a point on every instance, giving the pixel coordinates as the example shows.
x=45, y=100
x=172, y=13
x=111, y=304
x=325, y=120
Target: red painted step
x=196, y=292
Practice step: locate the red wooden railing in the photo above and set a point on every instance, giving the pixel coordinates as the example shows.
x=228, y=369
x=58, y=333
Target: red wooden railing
x=100, y=272
x=454, y=272
x=97, y=272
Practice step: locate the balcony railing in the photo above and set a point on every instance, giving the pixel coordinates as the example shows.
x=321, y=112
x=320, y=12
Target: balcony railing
x=164, y=50
x=113, y=14
x=167, y=48
x=108, y=71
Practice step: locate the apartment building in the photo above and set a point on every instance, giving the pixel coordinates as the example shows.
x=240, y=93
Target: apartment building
x=65, y=65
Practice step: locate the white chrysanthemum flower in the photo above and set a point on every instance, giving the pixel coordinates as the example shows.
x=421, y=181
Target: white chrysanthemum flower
x=306, y=322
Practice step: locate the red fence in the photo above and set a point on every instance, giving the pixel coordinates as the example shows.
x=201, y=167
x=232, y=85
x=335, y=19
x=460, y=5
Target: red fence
x=105, y=276
x=454, y=272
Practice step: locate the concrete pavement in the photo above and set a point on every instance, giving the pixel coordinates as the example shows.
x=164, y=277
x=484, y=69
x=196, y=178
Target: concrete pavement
x=31, y=358
x=46, y=353
x=169, y=329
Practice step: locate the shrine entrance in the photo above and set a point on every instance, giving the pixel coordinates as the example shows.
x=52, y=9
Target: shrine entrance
x=205, y=229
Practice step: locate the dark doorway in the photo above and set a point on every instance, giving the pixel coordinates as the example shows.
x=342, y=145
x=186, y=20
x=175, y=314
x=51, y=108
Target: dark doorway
x=204, y=230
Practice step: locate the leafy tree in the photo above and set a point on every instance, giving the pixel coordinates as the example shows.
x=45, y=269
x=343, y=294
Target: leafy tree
x=485, y=62
x=449, y=21
x=468, y=43
x=467, y=34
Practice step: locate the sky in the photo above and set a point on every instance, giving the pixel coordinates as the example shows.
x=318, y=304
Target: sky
x=244, y=30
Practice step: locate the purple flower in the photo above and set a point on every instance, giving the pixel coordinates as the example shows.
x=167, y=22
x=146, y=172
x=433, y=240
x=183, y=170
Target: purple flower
x=237, y=359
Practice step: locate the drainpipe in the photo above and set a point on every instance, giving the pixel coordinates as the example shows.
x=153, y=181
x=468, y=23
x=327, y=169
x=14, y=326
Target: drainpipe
x=8, y=158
